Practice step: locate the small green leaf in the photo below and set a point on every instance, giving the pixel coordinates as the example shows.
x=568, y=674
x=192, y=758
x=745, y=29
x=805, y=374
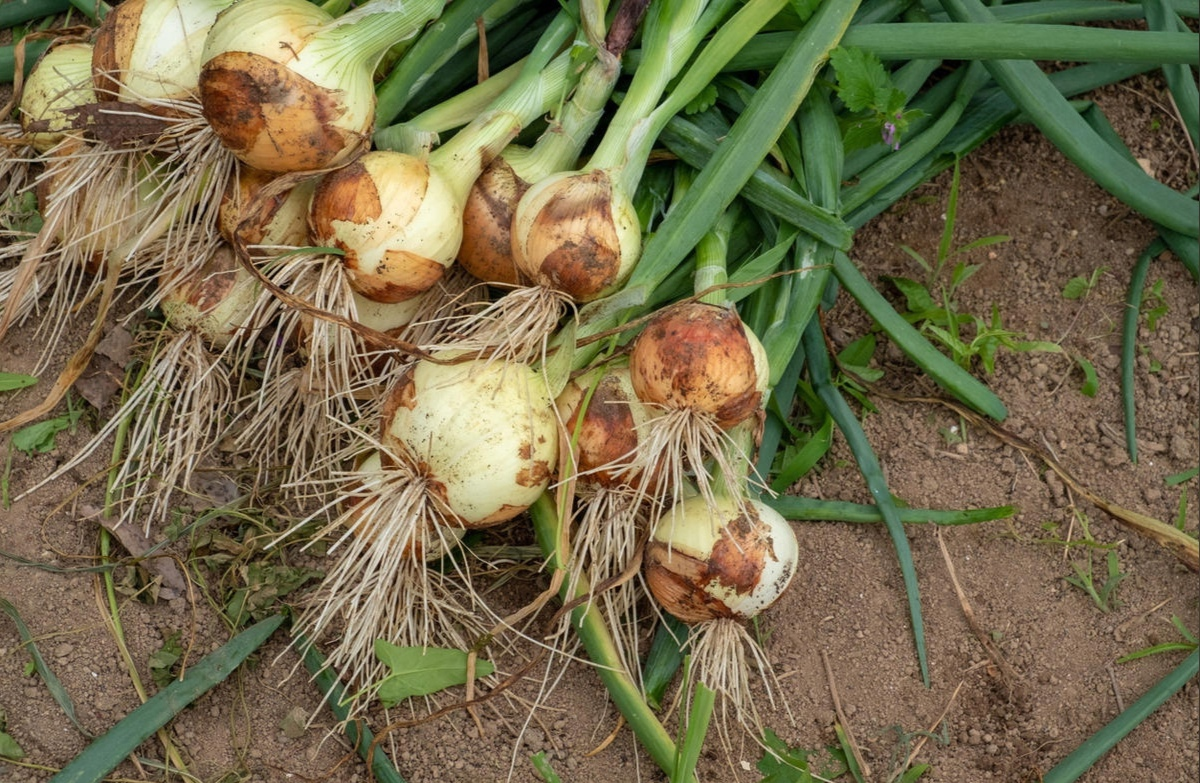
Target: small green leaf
x=703, y=101
x=861, y=79
x=1075, y=288
x=420, y=671
x=1179, y=478
x=859, y=352
x=781, y=764
x=918, y=296
x=9, y=749
x=42, y=437
x=1090, y=382
x=10, y=381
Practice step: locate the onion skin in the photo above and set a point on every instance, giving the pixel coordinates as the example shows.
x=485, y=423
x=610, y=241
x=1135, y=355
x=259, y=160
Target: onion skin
x=282, y=219
x=60, y=82
x=737, y=573
x=486, y=250
x=578, y=233
x=395, y=219
x=274, y=119
x=701, y=357
x=217, y=302
x=608, y=434
x=482, y=434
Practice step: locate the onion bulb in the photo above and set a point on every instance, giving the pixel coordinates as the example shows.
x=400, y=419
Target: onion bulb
x=606, y=432
x=60, y=82
x=281, y=220
x=287, y=87
x=149, y=51
x=396, y=220
x=701, y=357
x=729, y=560
x=216, y=302
x=483, y=434
x=578, y=233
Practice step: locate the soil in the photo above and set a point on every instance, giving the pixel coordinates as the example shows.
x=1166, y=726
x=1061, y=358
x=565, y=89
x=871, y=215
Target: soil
x=844, y=623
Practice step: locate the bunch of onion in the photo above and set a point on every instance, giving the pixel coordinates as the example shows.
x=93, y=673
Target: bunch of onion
x=177, y=405
x=397, y=218
x=716, y=564
x=464, y=444
x=603, y=418
x=288, y=87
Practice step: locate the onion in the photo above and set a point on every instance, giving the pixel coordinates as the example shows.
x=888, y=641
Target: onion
x=282, y=219
x=216, y=302
x=731, y=560
x=149, y=51
x=60, y=82
x=396, y=220
x=578, y=233
x=606, y=434
x=701, y=357
x=287, y=87
x=483, y=434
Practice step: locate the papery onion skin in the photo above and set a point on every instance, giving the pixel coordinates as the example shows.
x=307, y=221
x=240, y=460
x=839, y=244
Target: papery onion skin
x=281, y=219
x=486, y=250
x=482, y=434
x=216, y=302
x=701, y=357
x=698, y=575
x=607, y=438
x=396, y=220
x=360, y=507
x=578, y=233
x=60, y=82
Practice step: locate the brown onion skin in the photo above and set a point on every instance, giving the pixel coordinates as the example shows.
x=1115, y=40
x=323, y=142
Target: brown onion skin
x=608, y=434
x=350, y=195
x=677, y=580
x=486, y=250
x=269, y=224
x=114, y=46
x=570, y=241
x=214, y=301
x=698, y=356
x=272, y=118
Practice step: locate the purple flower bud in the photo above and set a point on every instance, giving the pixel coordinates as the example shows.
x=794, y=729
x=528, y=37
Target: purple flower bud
x=889, y=135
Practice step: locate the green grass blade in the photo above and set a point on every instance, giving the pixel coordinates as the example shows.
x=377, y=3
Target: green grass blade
x=53, y=684
x=693, y=738
x=814, y=510
x=664, y=659
x=108, y=751
x=1129, y=329
x=1031, y=90
x=942, y=370
x=1079, y=761
x=868, y=465
x=357, y=732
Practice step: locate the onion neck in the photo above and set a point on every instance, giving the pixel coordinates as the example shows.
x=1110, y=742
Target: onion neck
x=364, y=34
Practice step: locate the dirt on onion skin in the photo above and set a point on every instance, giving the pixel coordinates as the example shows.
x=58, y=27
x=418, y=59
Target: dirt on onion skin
x=846, y=603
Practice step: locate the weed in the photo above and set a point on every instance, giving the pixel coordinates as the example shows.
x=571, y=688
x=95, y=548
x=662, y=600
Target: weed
x=1188, y=644
x=164, y=661
x=1101, y=589
x=1080, y=287
x=781, y=763
x=1154, y=305
x=933, y=309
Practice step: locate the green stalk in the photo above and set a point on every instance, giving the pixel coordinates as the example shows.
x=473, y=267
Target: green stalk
x=961, y=384
x=1180, y=79
x=1129, y=328
x=1033, y=92
x=95, y=10
x=452, y=31
x=741, y=152
x=108, y=751
x=1072, y=11
x=588, y=623
x=1082, y=758
x=15, y=12
x=868, y=465
x=813, y=510
x=703, y=699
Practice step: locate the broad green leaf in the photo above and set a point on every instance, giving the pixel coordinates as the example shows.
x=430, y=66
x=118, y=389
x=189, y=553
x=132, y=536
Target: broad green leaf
x=917, y=295
x=42, y=436
x=9, y=749
x=420, y=671
x=859, y=352
x=861, y=79
x=781, y=764
x=10, y=381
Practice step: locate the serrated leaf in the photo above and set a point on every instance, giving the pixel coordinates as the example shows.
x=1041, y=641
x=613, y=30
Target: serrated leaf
x=420, y=671
x=702, y=101
x=861, y=78
x=11, y=381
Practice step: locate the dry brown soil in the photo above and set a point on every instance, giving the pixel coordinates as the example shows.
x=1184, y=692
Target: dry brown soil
x=847, y=604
